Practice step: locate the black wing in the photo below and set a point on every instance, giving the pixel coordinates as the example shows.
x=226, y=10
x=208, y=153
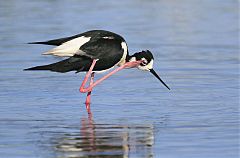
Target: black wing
x=92, y=33
x=102, y=48
x=103, y=45
x=71, y=64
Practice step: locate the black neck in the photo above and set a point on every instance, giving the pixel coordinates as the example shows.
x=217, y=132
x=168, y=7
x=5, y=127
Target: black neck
x=128, y=58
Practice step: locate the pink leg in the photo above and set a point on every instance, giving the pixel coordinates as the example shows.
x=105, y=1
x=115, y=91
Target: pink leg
x=82, y=89
x=131, y=64
x=89, y=93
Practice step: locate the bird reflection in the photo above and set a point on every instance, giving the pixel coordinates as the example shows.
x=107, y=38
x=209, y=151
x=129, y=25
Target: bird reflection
x=107, y=140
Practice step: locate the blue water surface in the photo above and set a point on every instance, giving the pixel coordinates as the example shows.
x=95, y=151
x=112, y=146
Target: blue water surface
x=195, y=45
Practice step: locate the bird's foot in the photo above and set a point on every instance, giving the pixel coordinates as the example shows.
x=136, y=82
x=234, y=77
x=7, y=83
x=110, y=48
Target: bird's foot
x=132, y=64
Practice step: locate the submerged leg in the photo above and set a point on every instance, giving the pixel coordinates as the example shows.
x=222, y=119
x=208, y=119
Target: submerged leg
x=88, y=99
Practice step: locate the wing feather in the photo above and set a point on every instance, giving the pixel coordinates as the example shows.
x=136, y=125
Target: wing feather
x=69, y=48
x=92, y=44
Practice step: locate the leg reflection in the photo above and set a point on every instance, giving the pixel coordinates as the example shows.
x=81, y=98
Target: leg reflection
x=107, y=140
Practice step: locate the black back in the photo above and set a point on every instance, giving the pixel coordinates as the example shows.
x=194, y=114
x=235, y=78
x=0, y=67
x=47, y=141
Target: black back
x=93, y=33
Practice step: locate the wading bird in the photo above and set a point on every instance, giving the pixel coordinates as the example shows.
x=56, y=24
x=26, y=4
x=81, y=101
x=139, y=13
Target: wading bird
x=95, y=51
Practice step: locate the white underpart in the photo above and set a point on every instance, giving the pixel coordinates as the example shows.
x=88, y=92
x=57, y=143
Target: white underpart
x=68, y=48
x=125, y=50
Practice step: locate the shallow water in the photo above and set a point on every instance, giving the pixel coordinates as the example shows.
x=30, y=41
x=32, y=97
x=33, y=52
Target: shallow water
x=195, y=44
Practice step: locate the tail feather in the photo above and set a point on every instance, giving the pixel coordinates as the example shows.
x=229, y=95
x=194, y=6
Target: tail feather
x=54, y=43
x=43, y=67
x=37, y=43
x=66, y=65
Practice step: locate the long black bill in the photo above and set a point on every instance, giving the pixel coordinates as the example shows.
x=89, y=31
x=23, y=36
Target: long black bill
x=156, y=75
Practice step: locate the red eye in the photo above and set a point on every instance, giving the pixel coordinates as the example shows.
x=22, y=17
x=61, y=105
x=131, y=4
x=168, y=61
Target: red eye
x=144, y=63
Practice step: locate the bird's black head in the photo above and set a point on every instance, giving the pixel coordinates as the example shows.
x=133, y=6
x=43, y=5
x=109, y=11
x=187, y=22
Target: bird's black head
x=147, y=63
x=147, y=60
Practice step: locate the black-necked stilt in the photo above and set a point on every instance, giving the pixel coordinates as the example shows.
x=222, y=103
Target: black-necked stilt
x=95, y=51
